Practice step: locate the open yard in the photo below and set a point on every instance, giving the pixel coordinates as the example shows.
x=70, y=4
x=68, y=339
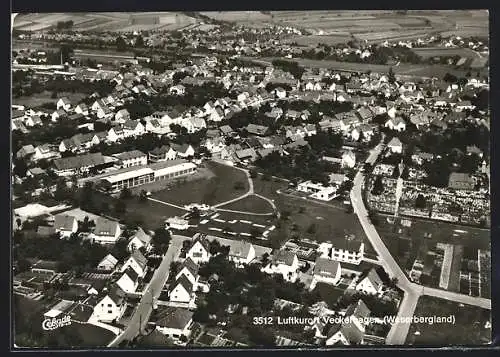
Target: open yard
x=37, y=100
x=226, y=183
x=250, y=203
x=469, y=328
x=28, y=315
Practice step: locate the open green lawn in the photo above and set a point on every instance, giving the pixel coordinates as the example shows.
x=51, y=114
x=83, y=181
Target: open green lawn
x=46, y=97
x=216, y=189
x=269, y=187
x=468, y=329
x=250, y=203
x=28, y=315
x=317, y=221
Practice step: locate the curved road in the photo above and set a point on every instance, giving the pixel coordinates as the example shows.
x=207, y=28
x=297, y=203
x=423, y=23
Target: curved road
x=412, y=291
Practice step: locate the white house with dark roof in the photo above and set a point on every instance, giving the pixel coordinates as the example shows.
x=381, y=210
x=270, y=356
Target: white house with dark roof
x=131, y=158
x=285, y=263
x=106, y=231
x=110, y=306
x=369, y=282
x=122, y=116
x=162, y=153
x=82, y=109
x=108, y=263
x=65, y=225
x=352, y=330
x=133, y=128
x=395, y=145
x=175, y=323
x=63, y=103
x=348, y=159
x=129, y=281
x=181, y=291
x=396, y=123
x=199, y=251
x=325, y=271
x=348, y=250
x=184, y=150
x=241, y=253
x=137, y=262
x=189, y=269
x=139, y=240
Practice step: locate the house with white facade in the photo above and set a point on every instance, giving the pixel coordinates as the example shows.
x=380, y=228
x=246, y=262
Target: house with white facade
x=129, y=281
x=139, y=240
x=325, y=271
x=395, y=145
x=369, y=282
x=63, y=103
x=111, y=306
x=241, y=253
x=285, y=263
x=108, y=263
x=181, y=291
x=199, y=251
x=175, y=323
x=349, y=250
x=137, y=262
x=105, y=231
x=65, y=225
x=396, y=123
x=352, y=330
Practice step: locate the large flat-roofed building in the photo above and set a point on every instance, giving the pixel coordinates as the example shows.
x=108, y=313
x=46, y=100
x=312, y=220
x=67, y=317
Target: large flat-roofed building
x=140, y=175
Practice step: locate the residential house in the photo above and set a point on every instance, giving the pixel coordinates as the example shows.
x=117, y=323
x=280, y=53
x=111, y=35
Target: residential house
x=396, y=123
x=259, y=130
x=365, y=114
x=325, y=271
x=63, y=103
x=137, y=261
x=194, y=124
x=352, y=330
x=154, y=126
x=111, y=306
x=226, y=130
x=129, y=281
x=25, y=152
x=104, y=112
x=395, y=145
x=181, y=291
x=65, y=225
x=280, y=93
x=216, y=114
x=348, y=250
x=162, y=153
x=285, y=263
x=33, y=120
x=139, y=240
x=178, y=223
x=199, y=251
x=115, y=134
x=44, y=151
x=189, y=269
x=175, y=323
x=369, y=282
x=108, y=263
x=131, y=158
x=80, y=164
x=184, y=150
x=122, y=116
x=105, y=231
x=178, y=89
x=241, y=253
x=82, y=109
x=348, y=159
x=133, y=128
x=57, y=114
x=248, y=154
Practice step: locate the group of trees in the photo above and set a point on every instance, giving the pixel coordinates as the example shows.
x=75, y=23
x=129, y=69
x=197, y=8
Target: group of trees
x=289, y=66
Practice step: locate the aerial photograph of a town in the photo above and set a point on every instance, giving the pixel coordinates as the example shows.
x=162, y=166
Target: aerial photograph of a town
x=250, y=179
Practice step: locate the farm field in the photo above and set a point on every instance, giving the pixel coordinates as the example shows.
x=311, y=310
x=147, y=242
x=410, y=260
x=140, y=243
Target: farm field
x=312, y=40
x=250, y=203
x=469, y=327
x=38, y=99
x=426, y=52
x=216, y=189
x=113, y=21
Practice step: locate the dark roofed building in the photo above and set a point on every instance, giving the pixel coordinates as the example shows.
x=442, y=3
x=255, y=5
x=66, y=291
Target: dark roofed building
x=461, y=181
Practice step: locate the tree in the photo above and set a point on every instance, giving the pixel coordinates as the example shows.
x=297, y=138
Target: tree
x=378, y=186
x=120, y=207
x=125, y=194
x=253, y=173
x=161, y=238
x=420, y=202
x=391, y=76
x=20, y=167
x=139, y=41
x=121, y=45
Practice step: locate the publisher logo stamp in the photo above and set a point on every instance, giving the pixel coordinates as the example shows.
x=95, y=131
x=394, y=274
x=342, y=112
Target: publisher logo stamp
x=53, y=323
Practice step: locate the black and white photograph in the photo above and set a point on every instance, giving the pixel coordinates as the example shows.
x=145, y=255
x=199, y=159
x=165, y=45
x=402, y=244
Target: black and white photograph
x=250, y=179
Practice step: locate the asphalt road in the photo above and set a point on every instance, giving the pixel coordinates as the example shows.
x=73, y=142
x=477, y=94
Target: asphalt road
x=143, y=311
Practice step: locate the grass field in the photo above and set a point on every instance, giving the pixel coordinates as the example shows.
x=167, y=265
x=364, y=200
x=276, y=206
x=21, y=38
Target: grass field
x=45, y=97
x=427, y=52
x=317, y=221
x=216, y=189
x=468, y=329
x=250, y=203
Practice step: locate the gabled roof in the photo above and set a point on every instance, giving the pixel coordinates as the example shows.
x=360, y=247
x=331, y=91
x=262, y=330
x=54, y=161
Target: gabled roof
x=105, y=227
x=109, y=259
x=283, y=257
x=132, y=274
x=139, y=258
x=174, y=318
x=76, y=162
x=190, y=265
x=373, y=277
x=116, y=294
x=142, y=236
x=326, y=267
x=226, y=129
x=131, y=124
x=395, y=142
x=64, y=222
x=127, y=155
x=257, y=129
x=184, y=281
x=181, y=148
x=240, y=249
x=358, y=310
x=202, y=241
x=161, y=150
